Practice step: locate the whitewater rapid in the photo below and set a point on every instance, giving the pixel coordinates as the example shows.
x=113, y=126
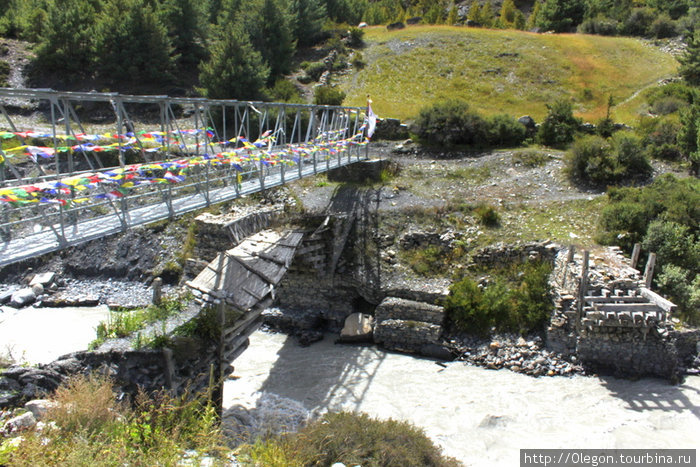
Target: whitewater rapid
x=479, y=416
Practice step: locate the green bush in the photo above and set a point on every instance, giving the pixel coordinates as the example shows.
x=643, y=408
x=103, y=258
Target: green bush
x=487, y=215
x=624, y=220
x=679, y=286
x=663, y=26
x=4, y=74
x=673, y=243
x=285, y=91
x=450, y=123
x=504, y=131
x=530, y=158
x=676, y=90
x=315, y=70
x=559, y=126
x=523, y=305
x=327, y=95
x=599, y=25
x=352, y=439
x=598, y=161
x=358, y=61
x=638, y=22
x=355, y=38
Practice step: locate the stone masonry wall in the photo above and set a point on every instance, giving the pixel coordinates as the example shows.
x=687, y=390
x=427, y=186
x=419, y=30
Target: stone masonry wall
x=398, y=308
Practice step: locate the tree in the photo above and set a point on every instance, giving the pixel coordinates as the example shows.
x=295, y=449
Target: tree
x=309, y=16
x=184, y=22
x=132, y=44
x=452, y=15
x=690, y=60
x=508, y=10
x=269, y=25
x=559, y=126
x=65, y=43
x=235, y=70
x=560, y=15
x=486, y=14
x=473, y=15
x=534, y=17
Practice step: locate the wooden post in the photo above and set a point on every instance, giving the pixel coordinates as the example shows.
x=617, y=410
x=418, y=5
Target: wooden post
x=649, y=270
x=570, y=255
x=169, y=368
x=635, y=254
x=157, y=290
x=582, y=290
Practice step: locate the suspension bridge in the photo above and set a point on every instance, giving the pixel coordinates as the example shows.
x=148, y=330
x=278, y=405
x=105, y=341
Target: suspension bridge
x=81, y=166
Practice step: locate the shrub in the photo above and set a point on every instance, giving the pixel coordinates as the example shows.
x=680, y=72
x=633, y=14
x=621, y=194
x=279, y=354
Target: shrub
x=327, y=95
x=352, y=439
x=663, y=26
x=559, y=126
x=487, y=215
x=4, y=74
x=679, y=91
x=530, y=158
x=358, y=61
x=605, y=127
x=595, y=160
x=355, y=38
x=599, y=25
x=673, y=244
x=285, y=91
x=315, y=70
x=523, y=306
x=638, y=22
x=504, y=131
x=450, y=123
x=678, y=284
x=667, y=105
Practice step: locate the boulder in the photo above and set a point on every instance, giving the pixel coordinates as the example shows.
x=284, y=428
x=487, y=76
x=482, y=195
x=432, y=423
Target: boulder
x=5, y=297
x=20, y=423
x=38, y=289
x=527, y=121
x=22, y=297
x=44, y=278
x=414, y=20
x=394, y=26
x=358, y=328
x=39, y=407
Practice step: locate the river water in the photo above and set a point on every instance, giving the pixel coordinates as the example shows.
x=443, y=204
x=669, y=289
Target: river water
x=481, y=417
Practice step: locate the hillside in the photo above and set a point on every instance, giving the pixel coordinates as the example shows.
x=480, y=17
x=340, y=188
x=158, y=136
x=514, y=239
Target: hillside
x=507, y=71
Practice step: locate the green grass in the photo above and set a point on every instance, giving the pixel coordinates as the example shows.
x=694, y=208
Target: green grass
x=500, y=71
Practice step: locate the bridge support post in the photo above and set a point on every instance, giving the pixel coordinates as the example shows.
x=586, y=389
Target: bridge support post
x=583, y=285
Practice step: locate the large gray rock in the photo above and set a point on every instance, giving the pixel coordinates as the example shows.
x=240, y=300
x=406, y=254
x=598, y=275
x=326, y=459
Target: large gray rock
x=44, y=278
x=358, y=328
x=23, y=297
x=20, y=423
x=39, y=407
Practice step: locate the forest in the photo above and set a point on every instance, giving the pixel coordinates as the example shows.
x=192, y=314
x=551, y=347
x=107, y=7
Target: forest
x=191, y=47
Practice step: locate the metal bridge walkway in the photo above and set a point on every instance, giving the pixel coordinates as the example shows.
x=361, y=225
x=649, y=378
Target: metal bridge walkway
x=47, y=241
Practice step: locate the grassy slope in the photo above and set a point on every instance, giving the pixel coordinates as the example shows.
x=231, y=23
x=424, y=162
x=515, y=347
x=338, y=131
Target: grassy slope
x=502, y=71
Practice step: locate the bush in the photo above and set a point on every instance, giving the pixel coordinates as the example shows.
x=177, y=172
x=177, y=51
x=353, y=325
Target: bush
x=598, y=161
x=315, y=70
x=673, y=244
x=326, y=95
x=678, y=284
x=352, y=439
x=667, y=105
x=662, y=27
x=624, y=220
x=358, y=61
x=450, y=123
x=638, y=22
x=355, y=38
x=4, y=74
x=522, y=306
x=599, y=25
x=559, y=126
x=504, y=131
x=285, y=91
x=487, y=215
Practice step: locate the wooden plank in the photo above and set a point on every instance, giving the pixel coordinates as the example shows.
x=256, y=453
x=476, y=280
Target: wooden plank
x=658, y=300
x=620, y=307
x=623, y=298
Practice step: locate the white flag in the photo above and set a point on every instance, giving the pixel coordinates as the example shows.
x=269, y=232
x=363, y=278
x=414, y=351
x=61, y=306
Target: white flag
x=371, y=121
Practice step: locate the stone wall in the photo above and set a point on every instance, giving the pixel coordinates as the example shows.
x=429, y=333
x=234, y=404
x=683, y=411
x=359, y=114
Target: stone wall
x=398, y=308
x=408, y=336
x=658, y=350
x=504, y=254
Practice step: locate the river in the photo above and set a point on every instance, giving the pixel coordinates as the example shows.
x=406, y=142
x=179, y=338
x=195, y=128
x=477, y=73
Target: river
x=479, y=416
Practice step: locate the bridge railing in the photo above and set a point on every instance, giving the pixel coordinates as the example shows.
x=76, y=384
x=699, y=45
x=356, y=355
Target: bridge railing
x=57, y=170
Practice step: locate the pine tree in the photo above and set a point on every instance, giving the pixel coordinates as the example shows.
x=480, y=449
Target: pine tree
x=560, y=15
x=473, y=15
x=452, y=15
x=184, y=20
x=132, y=44
x=486, y=14
x=309, y=16
x=508, y=14
x=234, y=70
x=66, y=41
x=534, y=17
x=690, y=61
